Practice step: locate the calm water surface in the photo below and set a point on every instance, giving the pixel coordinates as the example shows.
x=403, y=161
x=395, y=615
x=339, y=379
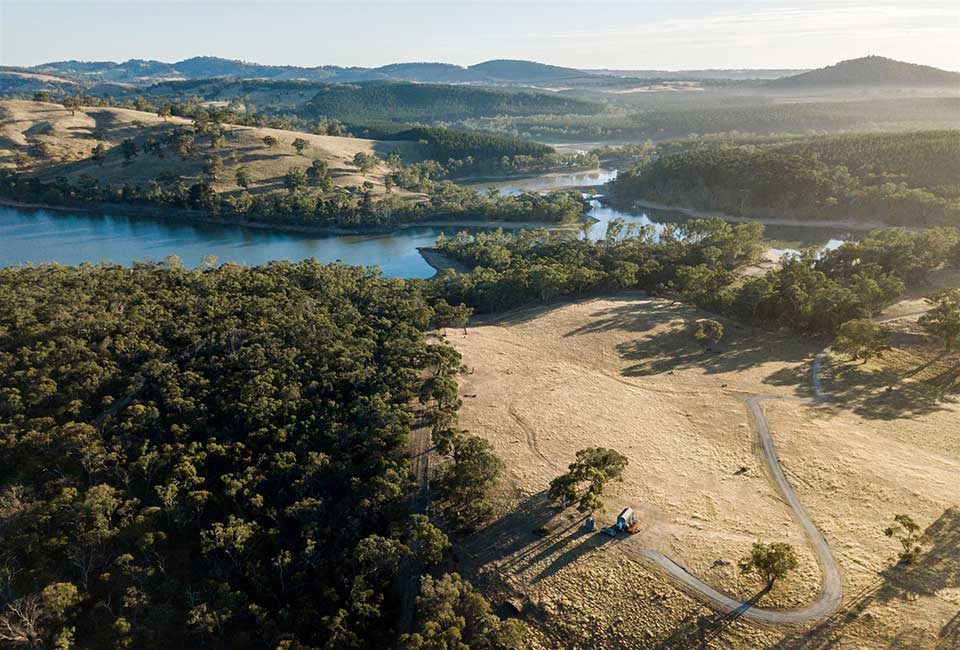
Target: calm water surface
x=37, y=236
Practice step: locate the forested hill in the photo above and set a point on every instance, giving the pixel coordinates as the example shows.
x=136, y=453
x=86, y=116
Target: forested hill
x=445, y=144
x=910, y=179
x=870, y=71
x=216, y=458
x=524, y=71
x=384, y=101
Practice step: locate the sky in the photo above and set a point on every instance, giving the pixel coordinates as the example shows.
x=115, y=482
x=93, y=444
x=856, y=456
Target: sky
x=674, y=35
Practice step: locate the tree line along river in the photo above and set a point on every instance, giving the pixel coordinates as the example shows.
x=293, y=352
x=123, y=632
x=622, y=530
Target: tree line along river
x=39, y=236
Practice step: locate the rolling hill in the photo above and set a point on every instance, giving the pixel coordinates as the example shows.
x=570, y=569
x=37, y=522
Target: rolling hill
x=48, y=141
x=391, y=101
x=495, y=72
x=363, y=103
x=870, y=71
x=525, y=72
x=142, y=72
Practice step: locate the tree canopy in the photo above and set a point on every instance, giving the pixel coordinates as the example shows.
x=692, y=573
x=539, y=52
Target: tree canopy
x=214, y=457
x=586, y=478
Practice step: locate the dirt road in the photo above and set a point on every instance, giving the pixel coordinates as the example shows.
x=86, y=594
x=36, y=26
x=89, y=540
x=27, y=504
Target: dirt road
x=831, y=590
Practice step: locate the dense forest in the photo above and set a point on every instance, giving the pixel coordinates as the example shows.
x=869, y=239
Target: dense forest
x=756, y=118
x=365, y=101
x=218, y=458
x=302, y=205
x=446, y=144
x=813, y=293
x=900, y=179
x=405, y=102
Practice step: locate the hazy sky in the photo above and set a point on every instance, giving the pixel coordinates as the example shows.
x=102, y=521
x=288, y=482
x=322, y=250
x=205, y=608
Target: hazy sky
x=670, y=35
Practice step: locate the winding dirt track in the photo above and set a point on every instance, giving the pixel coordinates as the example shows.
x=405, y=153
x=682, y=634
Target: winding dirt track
x=831, y=590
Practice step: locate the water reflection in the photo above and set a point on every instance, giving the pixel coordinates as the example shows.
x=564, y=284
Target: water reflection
x=71, y=238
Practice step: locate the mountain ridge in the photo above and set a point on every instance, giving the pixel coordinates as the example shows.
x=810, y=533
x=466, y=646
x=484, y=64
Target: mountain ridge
x=869, y=71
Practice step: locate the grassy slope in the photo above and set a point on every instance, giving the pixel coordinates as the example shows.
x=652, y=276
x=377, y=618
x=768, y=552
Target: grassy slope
x=70, y=139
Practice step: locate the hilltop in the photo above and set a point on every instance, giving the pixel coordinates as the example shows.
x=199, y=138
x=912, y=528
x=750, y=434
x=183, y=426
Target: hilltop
x=870, y=71
x=495, y=72
x=51, y=142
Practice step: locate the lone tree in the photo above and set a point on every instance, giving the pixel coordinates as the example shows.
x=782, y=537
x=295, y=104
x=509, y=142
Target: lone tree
x=244, y=177
x=270, y=141
x=295, y=179
x=364, y=162
x=129, y=149
x=770, y=561
x=594, y=467
x=72, y=104
x=861, y=338
x=99, y=153
x=300, y=144
x=943, y=320
x=164, y=112
x=708, y=333
x=907, y=532
x=213, y=166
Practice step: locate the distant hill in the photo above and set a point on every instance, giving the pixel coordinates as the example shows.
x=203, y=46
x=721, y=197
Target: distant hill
x=365, y=102
x=201, y=67
x=525, y=72
x=395, y=101
x=743, y=74
x=17, y=81
x=500, y=72
x=205, y=67
x=870, y=71
x=428, y=73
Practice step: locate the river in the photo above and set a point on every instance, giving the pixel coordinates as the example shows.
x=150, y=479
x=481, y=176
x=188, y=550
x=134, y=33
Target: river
x=37, y=236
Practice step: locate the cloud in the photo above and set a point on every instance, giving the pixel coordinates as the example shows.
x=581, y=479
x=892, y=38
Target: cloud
x=842, y=19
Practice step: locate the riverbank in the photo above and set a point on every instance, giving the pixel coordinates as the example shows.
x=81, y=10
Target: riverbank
x=195, y=216
x=767, y=221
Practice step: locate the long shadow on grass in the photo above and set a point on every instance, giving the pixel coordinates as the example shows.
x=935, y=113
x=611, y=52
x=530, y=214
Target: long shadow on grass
x=634, y=316
x=698, y=630
x=937, y=568
x=882, y=394
x=512, y=535
x=589, y=541
x=531, y=534
x=634, y=302
x=742, y=348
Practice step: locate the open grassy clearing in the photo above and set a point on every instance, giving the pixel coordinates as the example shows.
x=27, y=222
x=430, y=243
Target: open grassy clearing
x=60, y=144
x=625, y=373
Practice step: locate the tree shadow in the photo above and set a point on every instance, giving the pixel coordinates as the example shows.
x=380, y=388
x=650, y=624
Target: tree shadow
x=698, y=630
x=742, y=348
x=884, y=394
x=949, y=636
x=532, y=533
x=511, y=536
x=937, y=568
x=634, y=316
x=594, y=540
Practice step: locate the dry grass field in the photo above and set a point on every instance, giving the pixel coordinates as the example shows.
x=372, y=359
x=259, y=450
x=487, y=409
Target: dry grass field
x=60, y=144
x=625, y=373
